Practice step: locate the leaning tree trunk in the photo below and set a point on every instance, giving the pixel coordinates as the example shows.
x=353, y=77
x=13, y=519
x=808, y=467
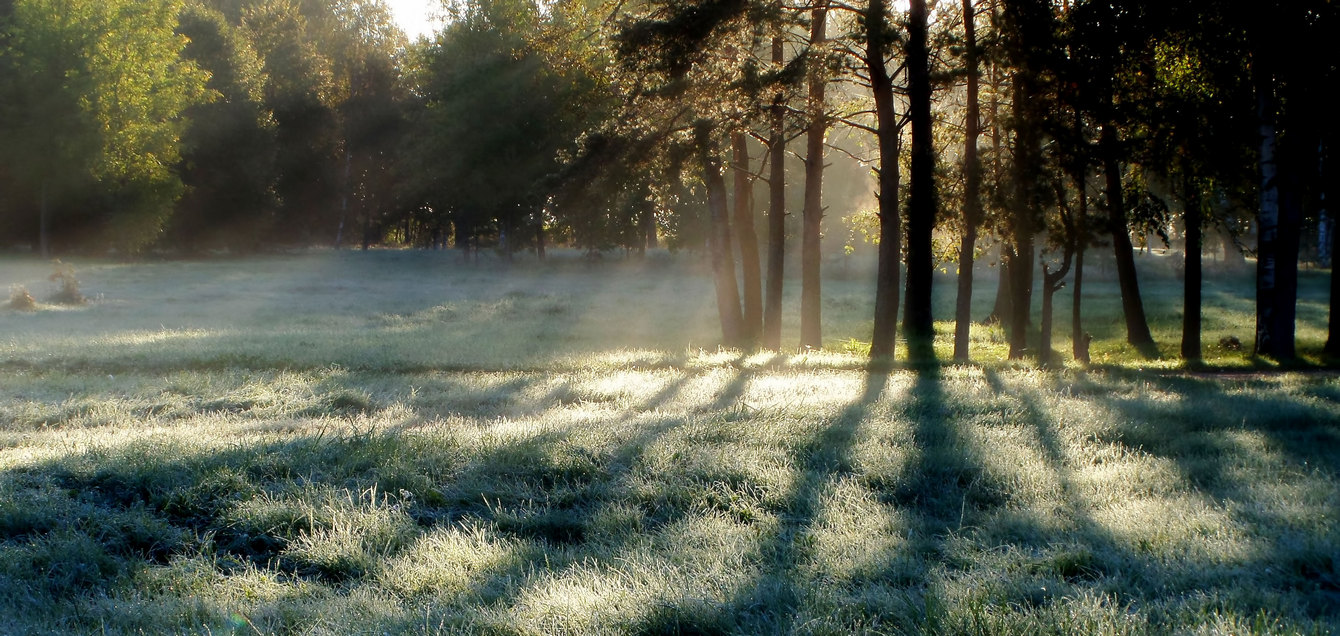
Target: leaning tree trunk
x=811, y=332
x=890, y=230
x=918, y=321
x=719, y=240
x=747, y=237
x=772, y=307
x=1137, y=328
x=1191, y=289
x=972, y=201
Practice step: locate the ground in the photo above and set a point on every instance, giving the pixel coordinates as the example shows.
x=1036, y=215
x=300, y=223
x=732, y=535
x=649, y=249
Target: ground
x=398, y=442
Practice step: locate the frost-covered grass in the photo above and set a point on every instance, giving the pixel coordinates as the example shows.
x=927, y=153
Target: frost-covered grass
x=395, y=443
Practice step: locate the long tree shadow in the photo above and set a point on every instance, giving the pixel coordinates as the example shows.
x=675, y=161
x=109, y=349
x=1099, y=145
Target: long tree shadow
x=770, y=603
x=1086, y=554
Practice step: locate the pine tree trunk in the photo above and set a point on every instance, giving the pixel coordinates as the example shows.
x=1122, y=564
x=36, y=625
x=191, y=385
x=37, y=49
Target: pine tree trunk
x=811, y=332
x=918, y=320
x=719, y=241
x=1079, y=340
x=1137, y=328
x=890, y=230
x=1019, y=252
x=772, y=308
x=748, y=240
x=972, y=202
x=1191, y=303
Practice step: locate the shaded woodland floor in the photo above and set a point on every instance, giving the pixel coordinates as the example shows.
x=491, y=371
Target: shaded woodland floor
x=398, y=443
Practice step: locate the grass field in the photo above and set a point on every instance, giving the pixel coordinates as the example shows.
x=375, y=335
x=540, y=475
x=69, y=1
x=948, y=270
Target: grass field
x=396, y=442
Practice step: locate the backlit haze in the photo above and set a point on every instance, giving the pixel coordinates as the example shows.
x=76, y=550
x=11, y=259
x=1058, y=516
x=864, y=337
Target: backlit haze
x=416, y=17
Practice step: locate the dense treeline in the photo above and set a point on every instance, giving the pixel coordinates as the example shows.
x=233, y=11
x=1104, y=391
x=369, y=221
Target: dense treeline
x=1040, y=129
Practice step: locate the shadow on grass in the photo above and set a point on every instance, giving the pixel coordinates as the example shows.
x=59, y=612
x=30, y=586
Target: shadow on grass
x=567, y=496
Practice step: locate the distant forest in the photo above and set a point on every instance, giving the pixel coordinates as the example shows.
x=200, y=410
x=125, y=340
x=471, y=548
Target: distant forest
x=1041, y=128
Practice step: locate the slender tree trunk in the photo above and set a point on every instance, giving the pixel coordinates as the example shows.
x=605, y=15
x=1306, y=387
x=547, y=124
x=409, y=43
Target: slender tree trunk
x=1052, y=282
x=1267, y=220
x=1329, y=197
x=918, y=321
x=647, y=221
x=344, y=198
x=748, y=239
x=1191, y=303
x=890, y=230
x=811, y=332
x=539, y=237
x=1079, y=340
x=1002, y=307
x=43, y=223
x=719, y=240
x=972, y=202
x=772, y=308
x=1018, y=253
x=1137, y=328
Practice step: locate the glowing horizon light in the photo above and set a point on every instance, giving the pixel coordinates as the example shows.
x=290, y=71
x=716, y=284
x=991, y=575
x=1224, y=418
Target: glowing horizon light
x=417, y=18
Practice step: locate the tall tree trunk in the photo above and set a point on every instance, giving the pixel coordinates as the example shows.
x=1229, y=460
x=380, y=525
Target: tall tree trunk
x=772, y=308
x=44, y=223
x=1191, y=303
x=1079, y=340
x=1052, y=282
x=1330, y=196
x=748, y=239
x=539, y=237
x=918, y=321
x=1267, y=219
x=719, y=240
x=972, y=201
x=1132, y=306
x=811, y=332
x=1018, y=253
x=890, y=230
x=647, y=222
x=344, y=198
x=1001, y=308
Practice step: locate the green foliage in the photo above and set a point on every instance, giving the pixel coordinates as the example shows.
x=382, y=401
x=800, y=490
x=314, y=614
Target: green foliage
x=496, y=114
x=96, y=112
x=230, y=146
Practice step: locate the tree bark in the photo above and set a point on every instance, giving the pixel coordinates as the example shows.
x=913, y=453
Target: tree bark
x=748, y=240
x=1267, y=220
x=1052, y=282
x=719, y=240
x=811, y=332
x=890, y=230
x=772, y=308
x=1132, y=306
x=918, y=320
x=1079, y=340
x=972, y=202
x=1191, y=302
x=1018, y=253
x=1001, y=308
